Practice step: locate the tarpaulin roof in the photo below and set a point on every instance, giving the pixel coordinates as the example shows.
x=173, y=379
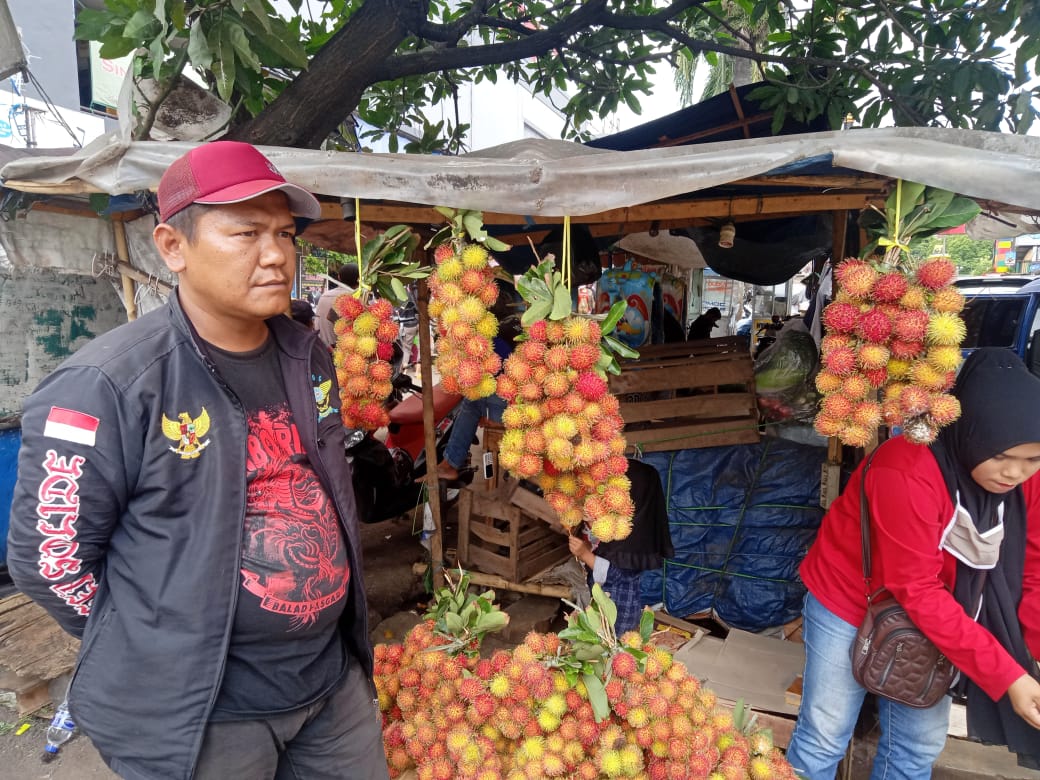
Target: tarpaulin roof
x=557, y=178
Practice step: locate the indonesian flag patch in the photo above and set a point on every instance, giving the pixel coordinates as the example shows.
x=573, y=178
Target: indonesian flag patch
x=70, y=425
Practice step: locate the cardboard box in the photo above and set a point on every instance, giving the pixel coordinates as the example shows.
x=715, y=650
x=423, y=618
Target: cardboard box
x=747, y=666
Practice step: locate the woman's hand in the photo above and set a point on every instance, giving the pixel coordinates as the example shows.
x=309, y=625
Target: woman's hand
x=1024, y=694
x=580, y=549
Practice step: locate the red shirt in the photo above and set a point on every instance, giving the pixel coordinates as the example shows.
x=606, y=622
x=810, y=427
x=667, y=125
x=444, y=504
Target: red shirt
x=910, y=508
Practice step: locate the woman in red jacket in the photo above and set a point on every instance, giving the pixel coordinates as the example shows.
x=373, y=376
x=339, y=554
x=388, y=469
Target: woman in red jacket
x=956, y=541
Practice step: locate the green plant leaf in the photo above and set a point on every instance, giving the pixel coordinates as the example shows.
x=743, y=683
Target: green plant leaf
x=538, y=310
x=606, y=606
x=620, y=348
x=494, y=245
x=597, y=696
x=646, y=624
x=561, y=307
x=617, y=311
x=198, y=48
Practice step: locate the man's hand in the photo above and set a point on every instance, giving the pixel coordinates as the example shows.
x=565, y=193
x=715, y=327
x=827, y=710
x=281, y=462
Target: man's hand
x=1024, y=694
x=580, y=549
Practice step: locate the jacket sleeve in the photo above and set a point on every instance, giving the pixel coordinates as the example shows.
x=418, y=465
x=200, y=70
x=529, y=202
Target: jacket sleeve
x=69, y=494
x=907, y=513
x=1029, y=607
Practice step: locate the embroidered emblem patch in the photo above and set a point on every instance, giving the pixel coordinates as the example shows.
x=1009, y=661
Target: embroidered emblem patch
x=187, y=433
x=322, y=397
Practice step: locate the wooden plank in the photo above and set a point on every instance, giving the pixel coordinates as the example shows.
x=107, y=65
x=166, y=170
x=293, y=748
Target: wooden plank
x=488, y=533
x=727, y=372
x=713, y=434
x=465, y=516
x=537, y=507
x=480, y=558
x=545, y=560
x=492, y=581
x=716, y=405
x=514, y=543
x=721, y=345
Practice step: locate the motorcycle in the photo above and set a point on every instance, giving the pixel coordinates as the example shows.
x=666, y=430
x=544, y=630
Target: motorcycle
x=389, y=475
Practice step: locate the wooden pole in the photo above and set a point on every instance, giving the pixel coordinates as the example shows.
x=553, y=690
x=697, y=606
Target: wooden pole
x=433, y=492
x=123, y=252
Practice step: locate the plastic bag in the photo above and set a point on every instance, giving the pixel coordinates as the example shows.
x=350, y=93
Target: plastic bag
x=784, y=376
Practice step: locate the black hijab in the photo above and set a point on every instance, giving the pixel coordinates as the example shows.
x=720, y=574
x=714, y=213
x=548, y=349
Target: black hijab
x=1000, y=409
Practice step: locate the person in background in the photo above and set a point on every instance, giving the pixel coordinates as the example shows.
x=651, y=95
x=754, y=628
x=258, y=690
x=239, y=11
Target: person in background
x=324, y=313
x=618, y=566
x=956, y=541
x=702, y=327
x=184, y=506
x=301, y=311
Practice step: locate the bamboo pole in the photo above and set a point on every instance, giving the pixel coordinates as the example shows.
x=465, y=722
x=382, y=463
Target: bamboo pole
x=123, y=252
x=433, y=492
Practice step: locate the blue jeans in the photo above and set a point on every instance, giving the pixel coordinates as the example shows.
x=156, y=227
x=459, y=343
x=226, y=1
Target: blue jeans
x=911, y=739
x=456, y=451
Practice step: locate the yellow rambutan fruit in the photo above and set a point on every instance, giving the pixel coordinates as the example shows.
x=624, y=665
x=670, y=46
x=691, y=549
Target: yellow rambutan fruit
x=631, y=760
x=944, y=408
x=944, y=359
x=487, y=325
x=827, y=382
x=610, y=763
x=915, y=297
x=867, y=414
x=855, y=435
x=855, y=387
x=899, y=368
x=450, y=270
x=436, y=308
x=486, y=386
x=471, y=310
x=948, y=299
x=946, y=329
x=532, y=748
x=500, y=686
x=474, y=256
x=927, y=376
x=450, y=294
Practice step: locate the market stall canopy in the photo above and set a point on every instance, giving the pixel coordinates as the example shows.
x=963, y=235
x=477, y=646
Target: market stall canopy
x=539, y=178
x=665, y=248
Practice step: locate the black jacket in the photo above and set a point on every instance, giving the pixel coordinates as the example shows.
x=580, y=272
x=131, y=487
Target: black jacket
x=107, y=501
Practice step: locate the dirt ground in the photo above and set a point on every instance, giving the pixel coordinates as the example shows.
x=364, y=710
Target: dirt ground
x=390, y=549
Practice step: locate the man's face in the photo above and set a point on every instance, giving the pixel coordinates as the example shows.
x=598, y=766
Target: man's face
x=239, y=269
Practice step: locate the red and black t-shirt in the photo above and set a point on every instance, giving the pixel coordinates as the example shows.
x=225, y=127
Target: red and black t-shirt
x=286, y=650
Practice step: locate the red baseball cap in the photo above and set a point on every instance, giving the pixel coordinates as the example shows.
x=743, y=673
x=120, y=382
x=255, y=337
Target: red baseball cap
x=227, y=172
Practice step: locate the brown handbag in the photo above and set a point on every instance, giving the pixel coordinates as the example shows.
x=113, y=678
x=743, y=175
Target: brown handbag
x=890, y=656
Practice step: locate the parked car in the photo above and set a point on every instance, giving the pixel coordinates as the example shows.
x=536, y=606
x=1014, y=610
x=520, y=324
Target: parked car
x=992, y=283
x=1001, y=317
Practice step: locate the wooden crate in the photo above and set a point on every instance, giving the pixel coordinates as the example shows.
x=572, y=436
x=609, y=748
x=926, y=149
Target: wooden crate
x=691, y=394
x=33, y=651
x=498, y=537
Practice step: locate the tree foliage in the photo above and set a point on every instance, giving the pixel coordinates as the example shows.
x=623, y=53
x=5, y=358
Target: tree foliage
x=295, y=81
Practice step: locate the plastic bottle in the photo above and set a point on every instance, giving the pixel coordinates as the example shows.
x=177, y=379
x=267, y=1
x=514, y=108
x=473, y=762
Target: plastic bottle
x=60, y=730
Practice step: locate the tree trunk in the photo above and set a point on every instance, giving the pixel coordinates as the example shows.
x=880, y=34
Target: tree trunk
x=337, y=76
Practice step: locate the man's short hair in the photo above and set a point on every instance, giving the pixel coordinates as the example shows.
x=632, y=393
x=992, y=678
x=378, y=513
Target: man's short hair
x=186, y=220
x=348, y=274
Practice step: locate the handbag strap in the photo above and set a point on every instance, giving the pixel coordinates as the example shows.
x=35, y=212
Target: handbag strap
x=864, y=527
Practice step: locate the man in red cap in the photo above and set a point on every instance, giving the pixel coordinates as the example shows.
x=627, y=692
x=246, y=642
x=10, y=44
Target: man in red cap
x=184, y=506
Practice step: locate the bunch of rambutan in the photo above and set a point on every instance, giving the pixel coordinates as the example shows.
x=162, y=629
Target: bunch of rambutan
x=895, y=332
x=514, y=716
x=463, y=289
x=564, y=428
x=365, y=337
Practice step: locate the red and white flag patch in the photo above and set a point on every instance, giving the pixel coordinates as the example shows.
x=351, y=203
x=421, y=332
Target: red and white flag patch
x=70, y=425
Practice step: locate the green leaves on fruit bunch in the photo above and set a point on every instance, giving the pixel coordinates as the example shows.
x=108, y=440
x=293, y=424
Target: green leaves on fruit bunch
x=463, y=224
x=549, y=298
x=386, y=264
x=593, y=643
x=463, y=618
x=913, y=211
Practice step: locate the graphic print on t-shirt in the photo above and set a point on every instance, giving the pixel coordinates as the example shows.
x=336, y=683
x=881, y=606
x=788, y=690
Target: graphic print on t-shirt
x=293, y=557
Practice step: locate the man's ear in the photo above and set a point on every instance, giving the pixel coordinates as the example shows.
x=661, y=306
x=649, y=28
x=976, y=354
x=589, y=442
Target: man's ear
x=170, y=241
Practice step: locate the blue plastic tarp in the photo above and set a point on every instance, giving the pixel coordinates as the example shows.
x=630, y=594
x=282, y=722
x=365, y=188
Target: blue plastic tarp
x=741, y=518
x=10, y=441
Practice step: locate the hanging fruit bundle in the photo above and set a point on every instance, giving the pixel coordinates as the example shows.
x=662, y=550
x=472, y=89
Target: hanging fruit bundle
x=578, y=704
x=894, y=329
x=563, y=426
x=463, y=290
x=365, y=329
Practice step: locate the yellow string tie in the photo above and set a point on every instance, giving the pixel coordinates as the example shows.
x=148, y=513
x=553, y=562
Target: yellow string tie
x=357, y=242
x=566, y=265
